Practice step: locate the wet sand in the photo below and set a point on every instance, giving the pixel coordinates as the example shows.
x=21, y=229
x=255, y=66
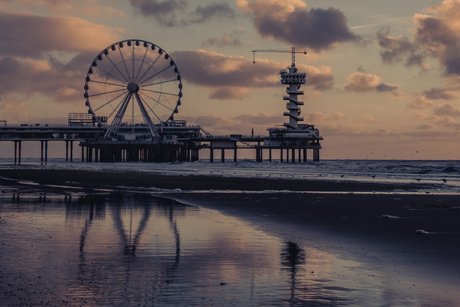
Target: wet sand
x=419, y=233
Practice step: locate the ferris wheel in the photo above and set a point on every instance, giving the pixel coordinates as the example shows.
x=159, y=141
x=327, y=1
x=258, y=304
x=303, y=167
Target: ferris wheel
x=132, y=82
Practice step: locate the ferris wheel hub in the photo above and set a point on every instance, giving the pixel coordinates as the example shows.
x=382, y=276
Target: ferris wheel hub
x=133, y=87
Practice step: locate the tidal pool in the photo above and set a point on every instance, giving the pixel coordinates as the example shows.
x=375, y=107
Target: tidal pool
x=134, y=249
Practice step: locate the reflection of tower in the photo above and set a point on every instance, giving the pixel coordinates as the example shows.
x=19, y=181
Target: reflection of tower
x=293, y=79
x=292, y=256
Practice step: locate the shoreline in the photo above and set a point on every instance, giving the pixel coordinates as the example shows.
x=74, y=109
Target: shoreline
x=361, y=226
x=96, y=179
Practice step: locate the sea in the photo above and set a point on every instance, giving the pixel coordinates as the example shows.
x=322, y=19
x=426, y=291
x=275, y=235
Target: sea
x=442, y=175
x=137, y=248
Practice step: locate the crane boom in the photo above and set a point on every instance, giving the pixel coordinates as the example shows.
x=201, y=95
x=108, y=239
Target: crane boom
x=278, y=50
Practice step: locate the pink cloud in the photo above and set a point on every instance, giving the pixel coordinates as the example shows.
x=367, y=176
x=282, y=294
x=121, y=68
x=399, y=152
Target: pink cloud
x=33, y=36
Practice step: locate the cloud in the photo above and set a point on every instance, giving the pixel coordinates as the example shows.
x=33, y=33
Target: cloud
x=262, y=118
x=212, y=11
x=420, y=102
x=48, y=55
x=399, y=49
x=438, y=93
x=446, y=110
x=321, y=118
x=223, y=93
x=436, y=34
x=426, y=127
x=50, y=4
x=382, y=87
x=34, y=36
x=361, y=83
x=291, y=22
x=164, y=12
x=60, y=82
x=232, y=39
x=215, y=70
x=366, y=118
x=170, y=13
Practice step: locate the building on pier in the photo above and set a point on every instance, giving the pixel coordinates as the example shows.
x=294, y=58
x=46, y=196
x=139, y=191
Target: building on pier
x=292, y=135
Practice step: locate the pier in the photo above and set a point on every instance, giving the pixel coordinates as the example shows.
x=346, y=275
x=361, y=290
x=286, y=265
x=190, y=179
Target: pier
x=131, y=109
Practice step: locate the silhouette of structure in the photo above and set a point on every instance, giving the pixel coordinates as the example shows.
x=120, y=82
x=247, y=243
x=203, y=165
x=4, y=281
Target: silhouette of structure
x=133, y=89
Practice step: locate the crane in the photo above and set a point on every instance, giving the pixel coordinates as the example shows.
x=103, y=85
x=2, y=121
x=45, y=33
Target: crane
x=277, y=50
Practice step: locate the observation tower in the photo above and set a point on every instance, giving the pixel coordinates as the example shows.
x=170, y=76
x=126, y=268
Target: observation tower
x=292, y=135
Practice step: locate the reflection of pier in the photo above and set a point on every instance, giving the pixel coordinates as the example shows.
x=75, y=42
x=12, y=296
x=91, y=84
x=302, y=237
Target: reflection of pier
x=137, y=210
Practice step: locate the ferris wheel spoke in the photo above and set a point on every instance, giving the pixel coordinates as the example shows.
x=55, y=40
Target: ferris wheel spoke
x=157, y=83
x=109, y=74
x=108, y=83
x=142, y=64
x=150, y=67
x=124, y=62
x=108, y=102
x=116, y=67
x=158, y=102
x=133, y=63
x=159, y=92
x=151, y=110
x=117, y=107
x=153, y=76
x=99, y=94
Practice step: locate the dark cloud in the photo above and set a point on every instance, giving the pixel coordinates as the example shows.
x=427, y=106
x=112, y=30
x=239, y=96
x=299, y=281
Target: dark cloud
x=164, y=12
x=214, y=10
x=438, y=93
x=216, y=70
x=436, y=35
x=382, y=87
x=399, y=49
x=361, y=69
x=58, y=81
x=316, y=29
x=446, y=110
x=170, y=13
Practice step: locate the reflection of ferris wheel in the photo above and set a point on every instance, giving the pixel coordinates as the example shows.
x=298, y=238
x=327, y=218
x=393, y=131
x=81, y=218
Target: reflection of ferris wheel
x=132, y=82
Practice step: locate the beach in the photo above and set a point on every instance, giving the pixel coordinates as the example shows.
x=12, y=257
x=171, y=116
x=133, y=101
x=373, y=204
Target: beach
x=390, y=227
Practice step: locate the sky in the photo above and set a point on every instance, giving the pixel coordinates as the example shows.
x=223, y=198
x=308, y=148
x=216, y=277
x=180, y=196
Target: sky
x=383, y=78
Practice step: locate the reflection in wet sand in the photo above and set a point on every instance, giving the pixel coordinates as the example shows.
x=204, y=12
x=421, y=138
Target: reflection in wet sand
x=135, y=249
